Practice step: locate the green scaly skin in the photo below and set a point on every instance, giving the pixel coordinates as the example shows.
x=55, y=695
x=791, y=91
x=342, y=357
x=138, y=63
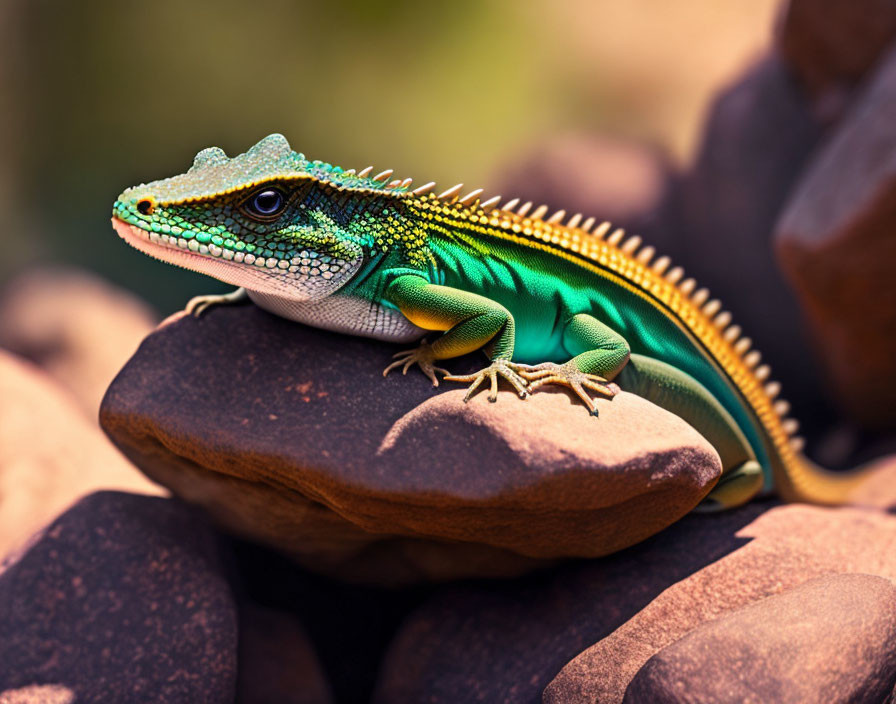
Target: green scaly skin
x=549, y=303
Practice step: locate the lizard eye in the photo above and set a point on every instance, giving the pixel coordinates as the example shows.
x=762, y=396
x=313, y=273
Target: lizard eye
x=266, y=203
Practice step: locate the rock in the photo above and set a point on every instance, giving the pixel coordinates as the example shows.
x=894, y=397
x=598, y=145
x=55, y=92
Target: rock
x=596, y=623
x=623, y=181
x=759, y=134
x=75, y=326
x=827, y=640
x=50, y=454
x=120, y=599
x=836, y=243
x=38, y=694
x=291, y=436
x=832, y=44
x=782, y=549
x=505, y=641
x=277, y=663
x=879, y=490
x=350, y=626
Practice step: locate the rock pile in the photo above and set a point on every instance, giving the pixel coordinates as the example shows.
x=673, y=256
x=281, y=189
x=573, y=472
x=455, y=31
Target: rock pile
x=360, y=501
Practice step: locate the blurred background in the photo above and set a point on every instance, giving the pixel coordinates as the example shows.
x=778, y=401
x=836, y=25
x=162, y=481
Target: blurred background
x=100, y=95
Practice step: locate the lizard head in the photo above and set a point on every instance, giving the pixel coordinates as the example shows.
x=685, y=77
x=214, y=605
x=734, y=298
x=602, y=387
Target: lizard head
x=268, y=220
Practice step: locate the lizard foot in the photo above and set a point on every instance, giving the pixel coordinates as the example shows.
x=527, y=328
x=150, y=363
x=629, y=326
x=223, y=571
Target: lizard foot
x=199, y=304
x=568, y=375
x=498, y=367
x=421, y=355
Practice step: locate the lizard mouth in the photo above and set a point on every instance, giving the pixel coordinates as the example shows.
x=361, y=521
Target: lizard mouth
x=296, y=281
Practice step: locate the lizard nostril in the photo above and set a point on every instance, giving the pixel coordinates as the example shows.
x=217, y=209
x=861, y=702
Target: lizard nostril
x=145, y=206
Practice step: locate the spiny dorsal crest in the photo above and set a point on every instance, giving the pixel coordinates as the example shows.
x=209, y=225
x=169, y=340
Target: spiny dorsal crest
x=588, y=235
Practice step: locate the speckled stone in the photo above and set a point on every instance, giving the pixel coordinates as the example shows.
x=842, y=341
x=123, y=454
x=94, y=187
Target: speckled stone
x=582, y=632
x=120, y=599
x=780, y=550
x=291, y=436
x=827, y=640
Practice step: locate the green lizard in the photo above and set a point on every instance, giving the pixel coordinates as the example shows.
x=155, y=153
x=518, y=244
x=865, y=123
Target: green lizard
x=550, y=302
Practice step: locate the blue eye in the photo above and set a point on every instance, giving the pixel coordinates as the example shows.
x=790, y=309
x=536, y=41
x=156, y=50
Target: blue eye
x=267, y=202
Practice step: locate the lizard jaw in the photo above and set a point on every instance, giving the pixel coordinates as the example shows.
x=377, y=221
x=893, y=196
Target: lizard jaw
x=243, y=270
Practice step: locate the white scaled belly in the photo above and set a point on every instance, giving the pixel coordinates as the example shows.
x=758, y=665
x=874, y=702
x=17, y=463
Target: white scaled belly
x=343, y=314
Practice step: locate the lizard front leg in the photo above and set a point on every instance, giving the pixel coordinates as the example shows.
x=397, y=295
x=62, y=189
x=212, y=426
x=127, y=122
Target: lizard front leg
x=599, y=355
x=469, y=321
x=199, y=304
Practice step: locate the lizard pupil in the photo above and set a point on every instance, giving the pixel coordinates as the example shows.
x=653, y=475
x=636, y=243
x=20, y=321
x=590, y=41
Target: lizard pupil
x=267, y=202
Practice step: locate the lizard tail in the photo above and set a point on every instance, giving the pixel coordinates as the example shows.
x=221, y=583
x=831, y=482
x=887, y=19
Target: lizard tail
x=799, y=479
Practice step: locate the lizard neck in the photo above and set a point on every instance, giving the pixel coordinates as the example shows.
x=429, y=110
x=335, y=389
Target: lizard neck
x=349, y=314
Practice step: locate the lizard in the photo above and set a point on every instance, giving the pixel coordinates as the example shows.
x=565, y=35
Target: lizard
x=551, y=300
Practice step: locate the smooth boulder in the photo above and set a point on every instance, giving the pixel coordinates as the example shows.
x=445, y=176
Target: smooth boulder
x=291, y=436
x=582, y=632
x=122, y=598
x=827, y=640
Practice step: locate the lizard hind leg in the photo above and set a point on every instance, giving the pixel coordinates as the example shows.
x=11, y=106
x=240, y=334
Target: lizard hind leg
x=735, y=488
x=598, y=355
x=681, y=394
x=568, y=375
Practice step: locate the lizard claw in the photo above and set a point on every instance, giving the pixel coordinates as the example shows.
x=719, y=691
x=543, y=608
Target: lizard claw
x=498, y=367
x=199, y=304
x=570, y=376
x=421, y=355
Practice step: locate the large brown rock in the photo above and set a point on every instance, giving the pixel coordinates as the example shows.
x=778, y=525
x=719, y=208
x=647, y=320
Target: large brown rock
x=508, y=641
x=50, y=454
x=292, y=437
x=782, y=549
x=121, y=599
x=75, y=326
x=879, y=490
x=828, y=640
x=831, y=44
x=836, y=241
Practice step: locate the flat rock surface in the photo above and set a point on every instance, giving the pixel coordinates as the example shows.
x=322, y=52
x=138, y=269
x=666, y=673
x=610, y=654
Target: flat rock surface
x=827, y=640
x=291, y=436
x=581, y=633
x=50, y=453
x=122, y=598
x=837, y=246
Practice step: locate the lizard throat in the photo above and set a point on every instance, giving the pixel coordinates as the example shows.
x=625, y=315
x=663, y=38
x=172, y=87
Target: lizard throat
x=307, y=276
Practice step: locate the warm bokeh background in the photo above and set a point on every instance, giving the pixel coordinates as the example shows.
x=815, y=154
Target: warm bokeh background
x=99, y=95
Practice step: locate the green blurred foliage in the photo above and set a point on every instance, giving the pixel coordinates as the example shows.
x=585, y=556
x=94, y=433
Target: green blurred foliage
x=104, y=94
